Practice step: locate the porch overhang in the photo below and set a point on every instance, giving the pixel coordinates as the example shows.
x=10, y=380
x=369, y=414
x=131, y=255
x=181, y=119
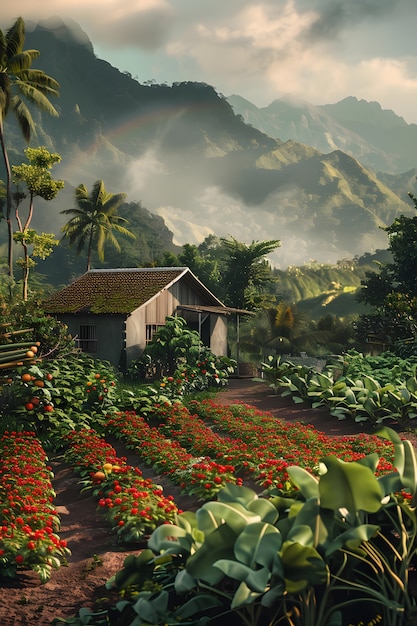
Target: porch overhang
x=217, y=310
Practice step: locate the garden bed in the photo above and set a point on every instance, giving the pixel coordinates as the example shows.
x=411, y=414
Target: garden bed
x=95, y=553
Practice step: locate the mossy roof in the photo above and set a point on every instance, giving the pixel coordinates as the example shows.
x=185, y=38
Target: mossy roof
x=119, y=290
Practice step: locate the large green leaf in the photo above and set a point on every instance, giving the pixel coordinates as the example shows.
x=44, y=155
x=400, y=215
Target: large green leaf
x=244, y=596
x=315, y=518
x=393, y=436
x=411, y=384
x=257, y=580
x=349, y=485
x=306, y=482
x=351, y=538
x=197, y=604
x=207, y=521
x=152, y=609
x=404, y=459
x=235, y=493
x=273, y=597
x=265, y=509
x=184, y=582
x=303, y=566
x=370, y=383
x=218, y=545
x=409, y=476
x=258, y=544
x=136, y=570
x=167, y=538
x=212, y=514
x=302, y=534
x=390, y=483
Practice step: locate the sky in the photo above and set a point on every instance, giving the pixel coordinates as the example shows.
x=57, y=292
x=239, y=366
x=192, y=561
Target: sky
x=320, y=51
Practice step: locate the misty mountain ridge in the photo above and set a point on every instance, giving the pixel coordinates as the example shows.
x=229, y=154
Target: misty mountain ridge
x=186, y=154
x=378, y=138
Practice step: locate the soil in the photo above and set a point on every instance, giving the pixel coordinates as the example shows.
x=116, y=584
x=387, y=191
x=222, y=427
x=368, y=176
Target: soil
x=95, y=553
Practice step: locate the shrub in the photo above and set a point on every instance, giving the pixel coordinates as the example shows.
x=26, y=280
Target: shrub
x=177, y=357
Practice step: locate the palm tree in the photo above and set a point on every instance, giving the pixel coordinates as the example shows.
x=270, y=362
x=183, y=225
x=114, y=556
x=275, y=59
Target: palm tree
x=18, y=80
x=247, y=272
x=94, y=220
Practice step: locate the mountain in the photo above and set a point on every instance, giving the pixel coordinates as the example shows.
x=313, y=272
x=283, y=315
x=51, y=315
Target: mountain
x=183, y=153
x=378, y=138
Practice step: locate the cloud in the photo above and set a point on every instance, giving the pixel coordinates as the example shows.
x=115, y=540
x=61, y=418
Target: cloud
x=317, y=50
x=338, y=15
x=144, y=24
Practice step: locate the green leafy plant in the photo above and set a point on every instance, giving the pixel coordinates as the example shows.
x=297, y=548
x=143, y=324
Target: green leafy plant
x=178, y=359
x=54, y=396
x=342, y=545
x=350, y=386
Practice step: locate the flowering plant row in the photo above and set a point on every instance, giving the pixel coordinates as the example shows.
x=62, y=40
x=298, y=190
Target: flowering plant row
x=261, y=445
x=29, y=521
x=275, y=440
x=134, y=505
x=201, y=476
x=190, y=431
x=263, y=452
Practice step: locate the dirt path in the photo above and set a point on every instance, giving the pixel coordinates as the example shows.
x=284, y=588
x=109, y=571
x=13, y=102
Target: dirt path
x=261, y=396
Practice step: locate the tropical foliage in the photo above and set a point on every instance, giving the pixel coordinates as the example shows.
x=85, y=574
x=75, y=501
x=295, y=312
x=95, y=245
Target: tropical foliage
x=392, y=291
x=38, y=181
x=371, y=390
x=178, y=359
x=20, y=83
x=238, y=273
x=94, y=221
x=339, y=546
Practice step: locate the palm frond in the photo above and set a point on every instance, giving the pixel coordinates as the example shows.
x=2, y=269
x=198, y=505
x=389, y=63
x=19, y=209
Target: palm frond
x=77, y=212
x=23, y=117
x=98, y=194
x=40, y=80
x=15, y=38
x=36, y=96
x=123, y=231
x=22, y=61
x=3, y=47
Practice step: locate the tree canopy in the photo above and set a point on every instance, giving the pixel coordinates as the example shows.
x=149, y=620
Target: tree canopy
x=19, y=83
x=95, y=220
x=236, y=272
x=37, y=178
x=393, y=290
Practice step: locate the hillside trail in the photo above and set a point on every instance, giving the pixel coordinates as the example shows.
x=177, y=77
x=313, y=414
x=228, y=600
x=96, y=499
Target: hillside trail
x=95, y=553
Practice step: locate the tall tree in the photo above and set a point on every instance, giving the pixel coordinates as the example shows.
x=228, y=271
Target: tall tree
x=94, y=221
x=247, y=273
x=20, y=82
x=393, y=290
x=38, y=181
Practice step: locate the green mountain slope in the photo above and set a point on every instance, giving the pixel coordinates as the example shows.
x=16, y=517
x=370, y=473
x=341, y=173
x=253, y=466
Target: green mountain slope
x=378, y=138
x=183, y=154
